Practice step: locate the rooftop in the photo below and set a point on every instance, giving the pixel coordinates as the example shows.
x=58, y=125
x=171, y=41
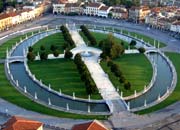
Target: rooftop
x=19, y=123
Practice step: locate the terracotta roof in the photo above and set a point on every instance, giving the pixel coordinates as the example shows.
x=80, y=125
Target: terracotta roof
x=97, y=5
x=72, y=5
x=4, y=15
x=118, y=10
x=176, y=23
x=93, y=125
x=12, y=14
x=104, y=8
x=19, y=123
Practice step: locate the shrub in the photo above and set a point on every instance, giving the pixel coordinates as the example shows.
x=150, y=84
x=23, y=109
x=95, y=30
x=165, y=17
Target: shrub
x=43, y=56
x=127, y=85
x=118, y=73
x=68, y=54
x=42, y=48
x=133, y=43
x=90, y=37
x=103, y=55
x=122, y=79
x=77, y=58
x=141, y=50
x=30, y=49
x=31, y=56
x=114, y=67
x=56, y=53
x=53, y=48
x=110, y=63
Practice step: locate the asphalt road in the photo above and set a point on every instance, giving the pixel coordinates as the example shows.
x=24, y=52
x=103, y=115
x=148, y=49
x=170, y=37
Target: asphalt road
x=52, y=20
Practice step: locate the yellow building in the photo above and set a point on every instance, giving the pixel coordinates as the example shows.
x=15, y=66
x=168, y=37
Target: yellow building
x=5, y=21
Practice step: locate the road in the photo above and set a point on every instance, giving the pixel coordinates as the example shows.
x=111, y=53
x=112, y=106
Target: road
x=52, y=20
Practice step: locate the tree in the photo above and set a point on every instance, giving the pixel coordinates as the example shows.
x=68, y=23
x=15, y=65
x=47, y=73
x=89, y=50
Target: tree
x=110, y=63
x=30, y=49
x=110, y=15
x=1, y=6
x=68, y=54
x=127, y=85
x=56, y=53
x=43, y=56
x=77, y=58
x=42, y=48
x=103, y=55
x=141, y=50
x=122, y=79
x=110, y=47
x=116, y=51
x=133, y=43
x=31, y=56
x=53, y=47
x=114, y=67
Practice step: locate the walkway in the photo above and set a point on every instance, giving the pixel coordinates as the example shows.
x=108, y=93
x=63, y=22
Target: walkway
x=101, y=79
x=12, y=109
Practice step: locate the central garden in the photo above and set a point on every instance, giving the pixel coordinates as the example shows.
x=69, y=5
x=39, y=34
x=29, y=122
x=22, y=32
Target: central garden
x=63, y=75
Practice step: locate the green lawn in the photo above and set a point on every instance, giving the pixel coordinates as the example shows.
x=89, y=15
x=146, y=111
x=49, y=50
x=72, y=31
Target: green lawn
x=9, y=93
x=138, y=35
x=102, y=36
x=8, y=44
x=136, y=69
x=54, y=39
x=175, y=96
x=61, y=74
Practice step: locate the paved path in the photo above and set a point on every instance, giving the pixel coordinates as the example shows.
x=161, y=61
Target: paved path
x=101, y=79
x=11, y=109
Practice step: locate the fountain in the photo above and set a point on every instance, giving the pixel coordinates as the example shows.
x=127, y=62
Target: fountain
x=86, y=54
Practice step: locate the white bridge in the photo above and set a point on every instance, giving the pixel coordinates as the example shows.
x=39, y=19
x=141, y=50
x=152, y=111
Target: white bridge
x=16, y=59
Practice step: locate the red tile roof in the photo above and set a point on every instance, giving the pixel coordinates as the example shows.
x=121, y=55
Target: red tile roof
x=95, y=5
x=19, y=123
x=94, y=125
x=4, y=15
x=105, y=8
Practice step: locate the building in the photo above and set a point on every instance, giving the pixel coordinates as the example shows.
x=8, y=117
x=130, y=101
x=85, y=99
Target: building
x=59, y=8
x=93, y=125
x=119, y=12
x=19, y=123
x=73, y=8
x=138, y=14
x=5, y=21
x=104, y=11
x=175, y=27
x=92, y=9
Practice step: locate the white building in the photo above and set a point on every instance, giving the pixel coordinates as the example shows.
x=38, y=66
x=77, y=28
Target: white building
x=92, y=9
x=58, y=8
x=104, y=11
x=175, y=27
